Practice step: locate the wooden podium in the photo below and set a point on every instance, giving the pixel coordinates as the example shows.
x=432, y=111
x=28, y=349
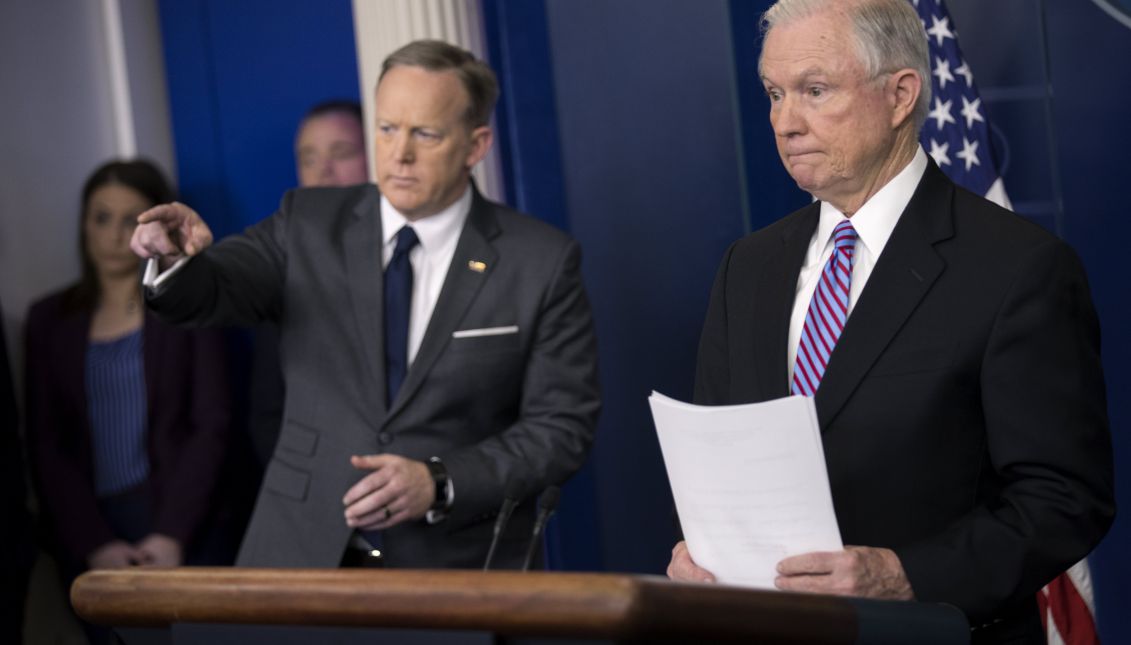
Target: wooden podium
x=246, y=606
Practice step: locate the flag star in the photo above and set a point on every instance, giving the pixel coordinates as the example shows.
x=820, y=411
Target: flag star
x=969, y=153
x=939, y=152
x=940, y=29
x=964, y=72
x=941, y=113
x=942, y=71
x=970, y=111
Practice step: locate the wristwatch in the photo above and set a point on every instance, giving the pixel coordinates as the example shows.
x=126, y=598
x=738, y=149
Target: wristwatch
x=443, y=499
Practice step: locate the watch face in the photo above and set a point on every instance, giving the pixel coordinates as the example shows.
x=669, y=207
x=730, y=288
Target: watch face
x=1120, y=10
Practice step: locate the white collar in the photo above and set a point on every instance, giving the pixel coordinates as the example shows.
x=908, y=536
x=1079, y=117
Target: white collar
x=433, y=231
x=876, y=219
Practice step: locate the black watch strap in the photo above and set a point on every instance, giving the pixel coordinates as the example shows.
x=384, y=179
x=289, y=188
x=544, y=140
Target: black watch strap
x=440, y=479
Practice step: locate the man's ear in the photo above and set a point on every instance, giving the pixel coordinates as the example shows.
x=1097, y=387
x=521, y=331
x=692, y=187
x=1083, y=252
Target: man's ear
x=902, y=90
x=481, y=139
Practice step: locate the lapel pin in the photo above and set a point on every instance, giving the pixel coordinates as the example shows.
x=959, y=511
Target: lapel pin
x=477, y=266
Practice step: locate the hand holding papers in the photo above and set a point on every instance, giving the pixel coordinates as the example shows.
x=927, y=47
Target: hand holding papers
x=749, y=483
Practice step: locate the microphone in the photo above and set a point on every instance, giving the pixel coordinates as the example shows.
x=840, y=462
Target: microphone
x=546, y=505
x=510, y=500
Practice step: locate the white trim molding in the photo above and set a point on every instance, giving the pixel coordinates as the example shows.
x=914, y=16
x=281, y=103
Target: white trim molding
x=125, y=138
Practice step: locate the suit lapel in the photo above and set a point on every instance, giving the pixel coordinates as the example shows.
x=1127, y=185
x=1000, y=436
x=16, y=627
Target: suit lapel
x=774, y=293
x=460, y=288
x=361, y=241
x=905, y=272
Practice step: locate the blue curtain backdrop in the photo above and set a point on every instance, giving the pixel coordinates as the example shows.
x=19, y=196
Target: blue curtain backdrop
x=240, y=77
x=640, y=127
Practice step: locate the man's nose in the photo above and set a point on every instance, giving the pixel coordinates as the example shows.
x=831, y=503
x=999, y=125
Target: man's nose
x=786, y=118
x=402, y=148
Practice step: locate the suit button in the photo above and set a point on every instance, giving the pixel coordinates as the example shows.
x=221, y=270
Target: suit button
x=385, y=438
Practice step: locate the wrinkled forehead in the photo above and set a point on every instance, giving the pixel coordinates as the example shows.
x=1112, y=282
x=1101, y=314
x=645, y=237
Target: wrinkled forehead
x=824, y=41
x=423, y=93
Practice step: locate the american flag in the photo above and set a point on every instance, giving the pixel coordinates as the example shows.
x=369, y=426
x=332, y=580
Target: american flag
x=957, y=136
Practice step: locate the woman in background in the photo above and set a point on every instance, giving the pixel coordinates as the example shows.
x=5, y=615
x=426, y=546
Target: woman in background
x=127, y=417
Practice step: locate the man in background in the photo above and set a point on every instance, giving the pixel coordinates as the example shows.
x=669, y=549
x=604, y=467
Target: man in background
x=329, y=151
x=330, y=146
x=952, y=347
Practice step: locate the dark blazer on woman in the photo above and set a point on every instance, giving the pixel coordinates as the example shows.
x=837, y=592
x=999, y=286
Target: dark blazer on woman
x=188, y=407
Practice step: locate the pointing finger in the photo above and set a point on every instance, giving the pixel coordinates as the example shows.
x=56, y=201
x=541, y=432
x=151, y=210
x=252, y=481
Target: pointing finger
x=161, y=213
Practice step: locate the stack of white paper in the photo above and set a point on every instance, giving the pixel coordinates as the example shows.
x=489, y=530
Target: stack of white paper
x=749, y=482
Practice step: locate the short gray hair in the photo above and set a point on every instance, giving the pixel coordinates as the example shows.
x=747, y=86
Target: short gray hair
x=439, y=56
x=889, y=37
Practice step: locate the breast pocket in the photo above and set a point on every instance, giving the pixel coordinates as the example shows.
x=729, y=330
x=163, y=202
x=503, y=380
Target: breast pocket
x=485, y=339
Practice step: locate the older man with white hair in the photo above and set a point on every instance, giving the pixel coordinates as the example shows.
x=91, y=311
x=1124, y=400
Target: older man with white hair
x=952, y=347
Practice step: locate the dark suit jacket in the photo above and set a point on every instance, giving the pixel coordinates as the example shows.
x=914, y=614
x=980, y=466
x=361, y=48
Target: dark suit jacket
x=266, y=394
x=17, y=550
x=517, y=407
x=962, y=411
x=189, y=420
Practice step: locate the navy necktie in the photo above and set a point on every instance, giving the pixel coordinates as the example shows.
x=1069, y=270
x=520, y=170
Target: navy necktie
x=398, y=301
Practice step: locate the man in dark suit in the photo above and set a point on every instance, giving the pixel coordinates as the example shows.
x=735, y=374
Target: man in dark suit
x=329, y=151
x=952, y=347
x=413, y=405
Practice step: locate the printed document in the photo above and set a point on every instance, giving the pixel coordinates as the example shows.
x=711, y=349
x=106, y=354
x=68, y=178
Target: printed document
x=749, y=482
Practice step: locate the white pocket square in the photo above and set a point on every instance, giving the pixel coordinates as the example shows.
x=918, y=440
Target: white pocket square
x=485, y=331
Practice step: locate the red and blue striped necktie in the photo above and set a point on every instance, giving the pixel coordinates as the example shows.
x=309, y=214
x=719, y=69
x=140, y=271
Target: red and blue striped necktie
x=827, y=313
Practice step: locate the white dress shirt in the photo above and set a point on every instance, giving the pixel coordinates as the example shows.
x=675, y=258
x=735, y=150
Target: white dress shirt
x=874, y=223
x=430, y=259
